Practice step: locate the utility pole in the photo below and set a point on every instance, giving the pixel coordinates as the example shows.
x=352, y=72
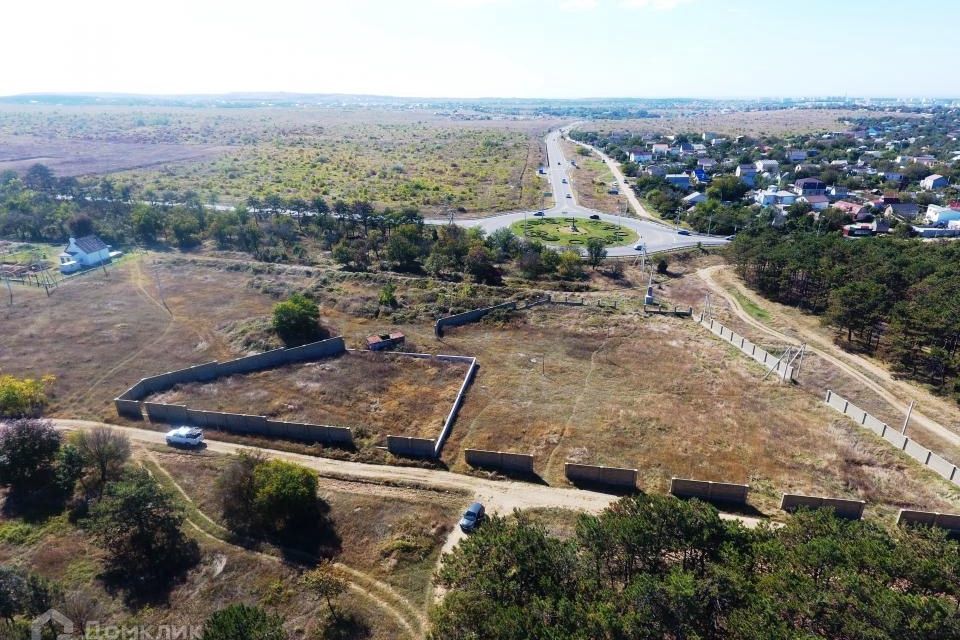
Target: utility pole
x=909, y=412
x=10, y=289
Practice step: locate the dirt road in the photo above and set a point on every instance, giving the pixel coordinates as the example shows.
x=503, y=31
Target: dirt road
x=499, y=496
x=890, y=390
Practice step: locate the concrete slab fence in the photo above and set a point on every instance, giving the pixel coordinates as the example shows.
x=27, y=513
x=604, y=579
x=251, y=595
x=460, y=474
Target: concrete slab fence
x=918, y=452
x=766, y=359
x=850, y=509
x=501, y=460
x=710, y=491
x=592, y=474
x=948, y=521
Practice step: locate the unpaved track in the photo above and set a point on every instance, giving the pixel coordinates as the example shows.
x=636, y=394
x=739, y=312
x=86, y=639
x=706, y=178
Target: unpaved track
x=382, y=594
x=890, y=390
x=499, y=496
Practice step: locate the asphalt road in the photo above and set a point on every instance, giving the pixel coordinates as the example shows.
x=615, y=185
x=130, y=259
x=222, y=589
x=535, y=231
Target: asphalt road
x=655, y=236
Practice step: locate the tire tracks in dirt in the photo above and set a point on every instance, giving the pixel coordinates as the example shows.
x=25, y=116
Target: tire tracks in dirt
x=887, y=393
x=375, y=590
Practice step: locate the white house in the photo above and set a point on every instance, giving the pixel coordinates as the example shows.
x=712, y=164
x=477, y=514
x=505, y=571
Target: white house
x=83, y=253
x=660, y=148
x=931, y=182
x=767, y=166
x=773, y=196
x=706, y=163
x=640, y=156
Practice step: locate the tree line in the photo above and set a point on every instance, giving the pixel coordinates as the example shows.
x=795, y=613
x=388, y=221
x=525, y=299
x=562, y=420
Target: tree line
x=654, y=567
x=896, y=298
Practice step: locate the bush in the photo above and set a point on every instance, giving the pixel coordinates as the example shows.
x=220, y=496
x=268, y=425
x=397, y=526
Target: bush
x=23, y=397
x=296, y=320
x=139, y=526
x=261, y=497
x=28, y=449
x=243, y=622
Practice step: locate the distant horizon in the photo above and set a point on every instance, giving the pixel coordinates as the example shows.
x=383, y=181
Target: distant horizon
x=441, y=97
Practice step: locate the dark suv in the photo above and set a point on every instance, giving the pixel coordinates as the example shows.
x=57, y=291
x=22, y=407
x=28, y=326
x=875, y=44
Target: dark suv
x=472, y=517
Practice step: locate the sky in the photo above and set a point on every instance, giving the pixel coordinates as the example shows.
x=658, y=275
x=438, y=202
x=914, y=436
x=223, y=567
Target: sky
x=484, y=48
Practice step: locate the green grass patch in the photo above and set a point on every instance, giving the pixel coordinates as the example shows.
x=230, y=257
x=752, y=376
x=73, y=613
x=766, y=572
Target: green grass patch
x=755, y=310
x=562, y=232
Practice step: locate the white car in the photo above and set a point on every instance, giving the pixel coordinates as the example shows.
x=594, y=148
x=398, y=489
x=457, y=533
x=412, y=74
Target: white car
x=185, y=437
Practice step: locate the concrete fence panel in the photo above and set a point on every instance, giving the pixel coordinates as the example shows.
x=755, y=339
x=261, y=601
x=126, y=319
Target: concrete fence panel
x=916, y=451
x=455, y=409
x=747, y=347
x=410, y=447
x=516, y=462
x=468, y=317
x=707, y=490
x=943, y=466
x=895, y=438
x=129, y=409
x=850, y=509
x=593, y=474
x=949, y=521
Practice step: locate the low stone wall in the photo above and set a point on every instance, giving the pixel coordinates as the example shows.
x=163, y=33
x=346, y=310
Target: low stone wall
x=850, y=509
x=949, y=521
x=711, y=491
x=411, y=447
x=918, y=452
x=592, y=474
x=468, y=317
x=515, y=462
x=747, y=347
x=129, y=409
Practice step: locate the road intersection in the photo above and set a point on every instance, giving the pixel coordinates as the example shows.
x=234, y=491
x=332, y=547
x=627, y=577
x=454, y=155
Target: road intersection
x=656, y=236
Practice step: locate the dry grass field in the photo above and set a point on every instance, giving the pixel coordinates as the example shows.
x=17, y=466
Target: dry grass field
x=389, y=541
x=782, y=122
x=375, y=394
x=599, y=386
x=392, y=158
x=591, y=180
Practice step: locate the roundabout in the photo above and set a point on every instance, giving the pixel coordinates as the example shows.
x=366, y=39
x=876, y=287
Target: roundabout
x=573, y=231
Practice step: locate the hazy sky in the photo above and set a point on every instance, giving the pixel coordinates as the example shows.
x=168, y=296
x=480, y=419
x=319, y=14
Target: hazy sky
x=471, y=48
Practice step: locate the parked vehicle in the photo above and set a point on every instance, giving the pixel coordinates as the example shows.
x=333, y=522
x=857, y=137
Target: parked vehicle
x=594, y=217
x=539, y=214
x=185, y=437
x=472, y=517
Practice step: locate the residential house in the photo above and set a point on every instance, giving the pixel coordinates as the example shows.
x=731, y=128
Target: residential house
x=772, y=196
x=747, y=174
x=796, y=155
x=678, y=180
x=83, y=253
x=640, y=156
x=699, y=176
x=660, y=148
x=810, y=187
x=836, y=191
x=927, y=161
x=852, y=209
x=892, y=176
x=905, y=210
x=806, y=167
x=767, y=166
x=818, y=202
x=694, y=199
x=706, y=163
x=940, y=215
x=934, y=181
x=656, y=170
